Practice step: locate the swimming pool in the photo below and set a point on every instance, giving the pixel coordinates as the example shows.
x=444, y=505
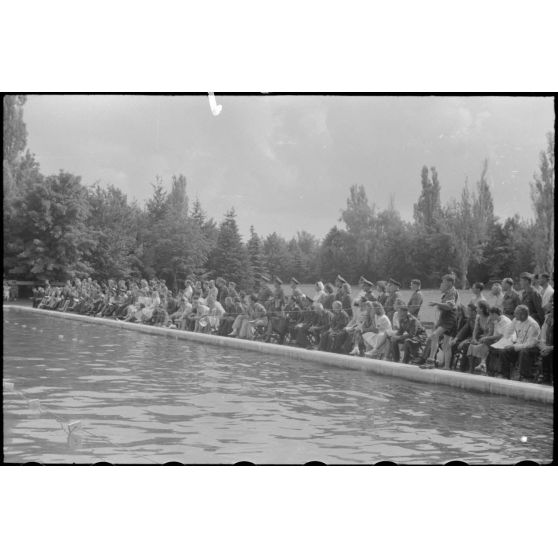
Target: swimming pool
x=136, y=398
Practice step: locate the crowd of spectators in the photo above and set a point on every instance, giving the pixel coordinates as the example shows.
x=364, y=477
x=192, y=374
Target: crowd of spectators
x=508, y=333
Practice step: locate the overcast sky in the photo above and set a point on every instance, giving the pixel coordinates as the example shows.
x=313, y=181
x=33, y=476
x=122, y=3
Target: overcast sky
x=286, y=163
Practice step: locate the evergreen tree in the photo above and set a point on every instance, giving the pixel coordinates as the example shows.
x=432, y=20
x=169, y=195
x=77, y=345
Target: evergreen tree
x=255, y=252
x=158, y=204
x=229, y=256
x=276, y=255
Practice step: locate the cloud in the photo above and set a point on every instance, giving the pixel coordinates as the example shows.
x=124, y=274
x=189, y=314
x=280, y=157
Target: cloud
x=286, y=163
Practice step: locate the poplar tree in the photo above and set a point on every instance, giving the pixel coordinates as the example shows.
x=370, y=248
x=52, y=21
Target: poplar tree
x=542, y=197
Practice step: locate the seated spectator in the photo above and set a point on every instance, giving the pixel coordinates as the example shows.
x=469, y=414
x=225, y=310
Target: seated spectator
x=376, y=339
x=242, y=314
x=228, y=318
x=159, y=316
x=478, y=348
x=546, y=344
x=355, y=329
x=257, y=318
x=409, y=332
x=446, y=325
x=293, y=315
x=322, y=321
x=333, y=338
x=178, y=317
x=501, y=329
x=306, y=321
x=199, y=311
x=524, y=344
x=216, y=312
x=460, y=343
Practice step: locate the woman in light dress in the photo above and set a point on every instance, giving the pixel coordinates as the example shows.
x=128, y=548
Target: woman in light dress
x=376, y=340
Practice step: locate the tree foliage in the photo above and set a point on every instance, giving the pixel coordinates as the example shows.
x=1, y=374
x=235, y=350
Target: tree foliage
x=55, y=227
x=542, y=197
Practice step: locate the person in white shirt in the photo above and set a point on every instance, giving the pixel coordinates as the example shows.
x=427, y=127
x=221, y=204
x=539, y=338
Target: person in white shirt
x=525, y=333
x=546, y=289
x=501, y=326
x=216, y=312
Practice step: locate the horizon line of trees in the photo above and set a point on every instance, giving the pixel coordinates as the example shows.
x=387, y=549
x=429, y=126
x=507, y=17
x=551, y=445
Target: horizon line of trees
x=57, y=228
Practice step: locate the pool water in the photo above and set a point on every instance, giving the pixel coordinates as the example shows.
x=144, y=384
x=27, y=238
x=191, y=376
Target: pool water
x=85, y=393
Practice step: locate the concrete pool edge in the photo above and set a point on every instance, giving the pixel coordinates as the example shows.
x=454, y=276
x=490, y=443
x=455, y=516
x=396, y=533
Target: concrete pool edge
x=484, y=384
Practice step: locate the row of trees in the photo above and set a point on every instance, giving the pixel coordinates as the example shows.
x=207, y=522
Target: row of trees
x=55, y=227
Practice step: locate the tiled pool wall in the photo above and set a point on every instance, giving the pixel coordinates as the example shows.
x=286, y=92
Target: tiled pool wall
x=461, y=380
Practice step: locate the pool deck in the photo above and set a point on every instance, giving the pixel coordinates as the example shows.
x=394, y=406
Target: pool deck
x=485, y=384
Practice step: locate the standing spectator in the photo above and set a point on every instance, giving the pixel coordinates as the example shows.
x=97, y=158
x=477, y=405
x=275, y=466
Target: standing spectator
x=339, y=281
x=524, y=344
x=511, y=298
x=393, y=287
x=346, y=299
x=382, y=294
x=546, y=289
x=496, y=297
x=327, y=301
x=531, y=298
x=415, y=302
x=536, y=284
x=477, y=289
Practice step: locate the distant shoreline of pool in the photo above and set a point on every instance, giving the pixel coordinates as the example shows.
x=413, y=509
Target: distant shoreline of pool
x=461, y=380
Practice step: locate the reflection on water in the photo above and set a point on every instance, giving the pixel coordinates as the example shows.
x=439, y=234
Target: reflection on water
x=90, y=393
